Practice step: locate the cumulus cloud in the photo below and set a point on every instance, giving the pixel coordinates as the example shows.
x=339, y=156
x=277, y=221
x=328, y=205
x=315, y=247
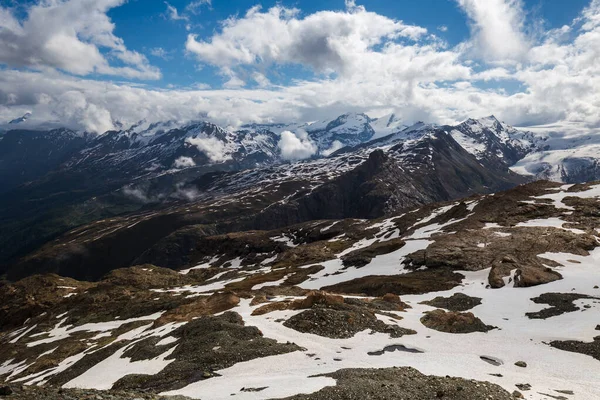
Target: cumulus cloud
x=174, y=15
x=296, y=146
x=497, y=28
x=212, y=147
x=160, y=53
x=383, y=69
x=184, y=162
x=195, y=6
x=71, y=35
x=335, y=146
x=326, y=40
x=137, y=194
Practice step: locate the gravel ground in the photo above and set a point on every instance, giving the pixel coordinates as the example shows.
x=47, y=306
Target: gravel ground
x=53, y=393
x=403, y=384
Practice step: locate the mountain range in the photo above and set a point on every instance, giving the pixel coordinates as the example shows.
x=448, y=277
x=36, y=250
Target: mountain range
x=322, y=260
x=351, y=166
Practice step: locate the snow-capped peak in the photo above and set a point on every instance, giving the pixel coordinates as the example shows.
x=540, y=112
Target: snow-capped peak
x=387, y=125
x=22, y=118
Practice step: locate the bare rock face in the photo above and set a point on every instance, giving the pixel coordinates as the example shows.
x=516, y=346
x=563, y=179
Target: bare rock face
x=316, y=298
x=560, y=303
x=531, y=272
x=341, y=321
x=513, y=258
x=360, y=258
x=417, y=282
x=34, y=295
x=403, y=383
x=588, y=348
x=216, y=303
x=456, y=302
x=454, y=322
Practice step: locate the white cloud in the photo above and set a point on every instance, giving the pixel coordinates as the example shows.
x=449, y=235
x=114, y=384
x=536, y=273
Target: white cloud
x=591, y=16
x=212, y=147
x=184, y=162
x=261, y=79
x=497, y=28
x=195, y=6
x=381, y=70
x=201, y=86
x=234, y=82
x=137, y=194
x=69, y=35
x=192, y=9
x=493, y=74
x=335, y=146
x=174, y=15
x=326, y=41
x=296, y=146
x=160, y=53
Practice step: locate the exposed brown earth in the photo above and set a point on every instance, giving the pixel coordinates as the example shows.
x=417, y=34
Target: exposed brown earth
x=403, y=384
x=284, y=258
x=216, y=303
x=335, y=316
x=360, y=258
x=591, y=349
x=388, y=302
x=456, y=302
x=20, y=392
x=454, y=322
x=417, y=282
x=559, y=303
x=341, y=322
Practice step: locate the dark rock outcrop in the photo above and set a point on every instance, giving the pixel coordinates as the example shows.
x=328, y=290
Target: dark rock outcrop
x=402, y=383
x=456, y=302
x=454, y=322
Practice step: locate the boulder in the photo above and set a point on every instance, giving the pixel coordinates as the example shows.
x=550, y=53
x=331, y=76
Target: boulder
x=454, y=322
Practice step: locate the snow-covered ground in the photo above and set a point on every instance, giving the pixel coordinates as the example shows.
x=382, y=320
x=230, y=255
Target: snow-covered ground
x=567, y=149
x=517, y=338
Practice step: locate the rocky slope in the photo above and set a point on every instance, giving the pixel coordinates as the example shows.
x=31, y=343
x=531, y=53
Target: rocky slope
x=364, y=183
x=57, y=180
x=499, y=288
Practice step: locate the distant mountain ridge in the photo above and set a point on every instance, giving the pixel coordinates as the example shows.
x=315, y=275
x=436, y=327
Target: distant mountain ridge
x=59, y=179
x=149, y=149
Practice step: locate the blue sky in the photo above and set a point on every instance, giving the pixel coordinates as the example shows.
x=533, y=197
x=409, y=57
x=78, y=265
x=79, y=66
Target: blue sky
x=146, y=25
x=88, y=64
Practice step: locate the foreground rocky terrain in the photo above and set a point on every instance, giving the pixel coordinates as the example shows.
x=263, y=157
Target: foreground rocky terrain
x=490, y=297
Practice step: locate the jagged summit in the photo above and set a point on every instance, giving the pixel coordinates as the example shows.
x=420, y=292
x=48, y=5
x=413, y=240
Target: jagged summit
x=22, y=118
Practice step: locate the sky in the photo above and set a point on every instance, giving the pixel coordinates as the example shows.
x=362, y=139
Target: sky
x=96, y=64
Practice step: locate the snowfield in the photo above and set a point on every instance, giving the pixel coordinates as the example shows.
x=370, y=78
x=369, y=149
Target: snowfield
x=515, y=337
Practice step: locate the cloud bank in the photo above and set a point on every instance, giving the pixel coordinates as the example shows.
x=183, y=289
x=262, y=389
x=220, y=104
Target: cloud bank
x=296, y=146
x=75, y=36
x=359, y=60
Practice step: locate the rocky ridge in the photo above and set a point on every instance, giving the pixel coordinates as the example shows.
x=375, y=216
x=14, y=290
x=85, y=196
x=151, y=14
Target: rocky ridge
x=356, y=296
x=57, y=180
